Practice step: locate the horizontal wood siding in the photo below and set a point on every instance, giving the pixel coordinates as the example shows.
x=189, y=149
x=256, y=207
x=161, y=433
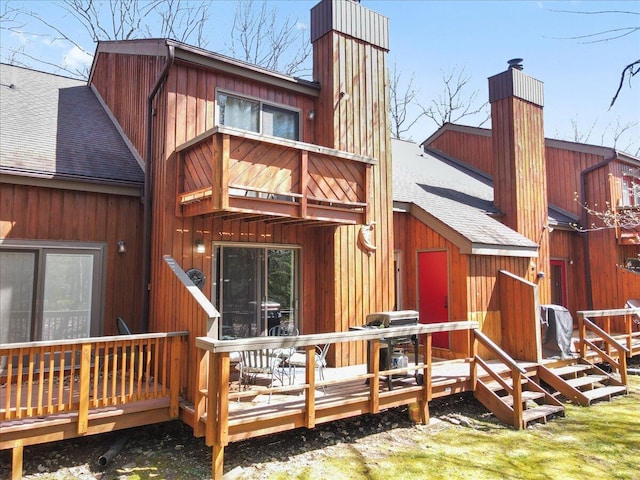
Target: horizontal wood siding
x=39, y=213
x=352, y=115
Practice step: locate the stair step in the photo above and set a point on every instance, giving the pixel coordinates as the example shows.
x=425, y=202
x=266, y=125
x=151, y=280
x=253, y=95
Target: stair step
x=571, y=369
x=540, y=412
x=602, y=392
x=496, y=387
x=527, y=395
x=585, y=380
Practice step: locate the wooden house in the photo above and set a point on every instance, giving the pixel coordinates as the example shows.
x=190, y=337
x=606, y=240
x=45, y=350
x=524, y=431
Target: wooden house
x=204, y=201
x=259, y=184
x=463, y=214
x=71, y=212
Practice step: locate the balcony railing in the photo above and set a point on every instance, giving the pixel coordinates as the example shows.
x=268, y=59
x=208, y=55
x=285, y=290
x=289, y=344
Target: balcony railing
x=228, y=171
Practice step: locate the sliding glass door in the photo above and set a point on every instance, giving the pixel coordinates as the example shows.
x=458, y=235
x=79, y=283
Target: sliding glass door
x=49, y=293
x=255, y=288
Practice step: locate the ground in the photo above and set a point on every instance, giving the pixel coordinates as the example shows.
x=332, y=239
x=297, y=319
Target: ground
x=170, y=451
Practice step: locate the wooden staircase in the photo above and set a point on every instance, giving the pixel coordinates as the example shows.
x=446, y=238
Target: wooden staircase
x=581, y=382
x=517, y=407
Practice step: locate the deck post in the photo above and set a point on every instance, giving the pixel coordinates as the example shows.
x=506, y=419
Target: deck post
x=473, y=371
x=310, y=391
x=174, y=381
x=374, y=382
x=582, y=334
x=304, y=182
x=85, y=375
x=16, y=460
x=517, y=398
x=426, y=380
x=217, y=462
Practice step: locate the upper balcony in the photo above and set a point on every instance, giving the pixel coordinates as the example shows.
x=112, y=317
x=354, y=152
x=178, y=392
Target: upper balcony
x=226, y=171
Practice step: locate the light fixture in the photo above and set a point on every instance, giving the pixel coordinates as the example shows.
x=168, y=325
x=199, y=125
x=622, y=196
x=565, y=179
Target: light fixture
x=540, y=274
x=122, y=247
x=199, y=246
x=311, y=115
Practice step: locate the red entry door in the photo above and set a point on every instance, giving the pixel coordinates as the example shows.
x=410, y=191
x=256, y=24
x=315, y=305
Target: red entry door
x=434, y=292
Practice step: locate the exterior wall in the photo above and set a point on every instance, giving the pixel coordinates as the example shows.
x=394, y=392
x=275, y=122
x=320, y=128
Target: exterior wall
x=126, y=92
x=569, y=247
x=26, y=214
x=474, y=149
x=352, y=115
x=473, y=279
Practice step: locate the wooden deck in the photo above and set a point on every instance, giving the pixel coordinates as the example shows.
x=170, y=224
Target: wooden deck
x=51, y=391
x=57, y=390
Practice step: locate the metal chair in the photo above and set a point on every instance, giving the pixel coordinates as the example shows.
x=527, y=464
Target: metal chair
x=260, y=362
x=299, y=359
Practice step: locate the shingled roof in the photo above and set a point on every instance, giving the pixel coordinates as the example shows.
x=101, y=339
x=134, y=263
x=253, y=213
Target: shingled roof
x=55, y=127
x=454, y=200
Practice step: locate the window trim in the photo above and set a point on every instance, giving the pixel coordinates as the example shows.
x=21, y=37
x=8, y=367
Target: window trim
x=42, y=247
x=261, y=102
x=630, y=191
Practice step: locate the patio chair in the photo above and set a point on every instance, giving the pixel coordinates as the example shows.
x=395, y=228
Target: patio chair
x=299, y=359
x=260, y=362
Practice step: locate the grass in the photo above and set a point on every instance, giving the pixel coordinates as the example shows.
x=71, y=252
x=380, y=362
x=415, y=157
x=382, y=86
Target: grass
x=600, y=441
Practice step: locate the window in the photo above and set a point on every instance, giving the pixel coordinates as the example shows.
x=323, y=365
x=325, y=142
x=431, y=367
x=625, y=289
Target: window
x=255, y=288
x=630, y=191
x=49, y=293
x=256, y=116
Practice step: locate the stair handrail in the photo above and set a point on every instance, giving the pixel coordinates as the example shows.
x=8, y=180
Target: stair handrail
x=585, y=324
x=517, y=373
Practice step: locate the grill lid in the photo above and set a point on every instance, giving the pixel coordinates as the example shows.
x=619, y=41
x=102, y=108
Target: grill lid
x=393, y=319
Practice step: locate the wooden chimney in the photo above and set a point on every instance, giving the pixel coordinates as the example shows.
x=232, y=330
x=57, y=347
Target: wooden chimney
x=519, y=170
x=350, y=46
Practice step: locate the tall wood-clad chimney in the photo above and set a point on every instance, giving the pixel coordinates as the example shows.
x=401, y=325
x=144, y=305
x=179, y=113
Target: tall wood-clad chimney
x=519, y=170
x=350, y=46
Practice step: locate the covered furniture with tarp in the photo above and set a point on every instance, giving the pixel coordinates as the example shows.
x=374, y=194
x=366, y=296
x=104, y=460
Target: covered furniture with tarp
x=556, y=326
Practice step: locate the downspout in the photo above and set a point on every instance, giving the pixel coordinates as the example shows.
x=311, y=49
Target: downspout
x=148, y=191
x=583, y=199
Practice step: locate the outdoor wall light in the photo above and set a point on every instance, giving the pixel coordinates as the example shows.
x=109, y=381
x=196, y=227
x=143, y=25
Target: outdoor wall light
x=122, y=247
x=199, y=246
x=540, y=275
x=311, y=115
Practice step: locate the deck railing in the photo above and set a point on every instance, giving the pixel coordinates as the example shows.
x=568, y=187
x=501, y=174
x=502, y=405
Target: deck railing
x=313, y=410
x=74, y=376
x=609, y=335
x=235, y=171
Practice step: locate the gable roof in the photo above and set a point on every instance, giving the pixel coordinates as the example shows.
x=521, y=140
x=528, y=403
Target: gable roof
x=54, y=127
x=453, y=199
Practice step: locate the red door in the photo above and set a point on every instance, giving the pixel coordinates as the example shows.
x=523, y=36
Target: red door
x=434, y=292
x=558, y=283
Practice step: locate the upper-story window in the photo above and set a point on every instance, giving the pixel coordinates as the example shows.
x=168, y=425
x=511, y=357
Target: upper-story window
x=630, y=191
x=257, y=116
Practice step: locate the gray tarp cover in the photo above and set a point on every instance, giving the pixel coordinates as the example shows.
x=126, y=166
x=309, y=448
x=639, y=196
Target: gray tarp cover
x=556, y=328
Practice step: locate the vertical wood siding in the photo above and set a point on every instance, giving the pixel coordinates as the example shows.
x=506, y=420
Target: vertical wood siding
x=351, y=115
x=124, y=83
x=474, y=150
x=39, y=213
x=473, y=279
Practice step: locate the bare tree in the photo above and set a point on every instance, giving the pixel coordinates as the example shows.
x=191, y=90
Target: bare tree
x=259, y=35
x=262, y=37
x=453, y=103
x=402, y=99
x=607, y=35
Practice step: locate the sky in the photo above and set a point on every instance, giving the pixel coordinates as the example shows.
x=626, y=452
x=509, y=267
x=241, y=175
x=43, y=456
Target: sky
x=429, y=38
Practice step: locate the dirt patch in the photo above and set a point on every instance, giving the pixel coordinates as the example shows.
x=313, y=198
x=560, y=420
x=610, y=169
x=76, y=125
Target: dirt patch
x=170, y=451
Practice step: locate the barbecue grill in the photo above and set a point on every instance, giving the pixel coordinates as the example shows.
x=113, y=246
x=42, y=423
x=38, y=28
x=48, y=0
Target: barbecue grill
x=390, y=320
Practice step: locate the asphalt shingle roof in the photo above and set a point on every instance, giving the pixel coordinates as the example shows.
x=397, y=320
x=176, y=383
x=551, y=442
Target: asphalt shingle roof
x=459, y=197
x=55, y=127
